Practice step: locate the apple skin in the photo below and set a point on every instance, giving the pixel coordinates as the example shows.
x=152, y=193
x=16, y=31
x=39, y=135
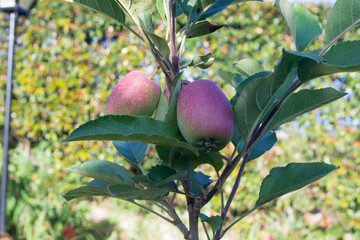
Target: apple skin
x=134, y=95
x=205, y=116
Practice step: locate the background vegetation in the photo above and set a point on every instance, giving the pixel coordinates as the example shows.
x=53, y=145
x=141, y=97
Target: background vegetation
x=70, y=60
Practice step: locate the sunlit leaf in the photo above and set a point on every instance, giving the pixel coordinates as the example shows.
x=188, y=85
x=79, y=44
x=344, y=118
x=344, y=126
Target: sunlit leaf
x=343, y=15
x=129, y=128
x=104, y=171
x=304, y=101
x=294, y=176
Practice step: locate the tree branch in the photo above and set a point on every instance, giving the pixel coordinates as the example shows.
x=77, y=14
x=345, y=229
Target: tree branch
x=338, y=37
x=172, y=24
x=177, y=221
x=152, y=211
x=233, y=191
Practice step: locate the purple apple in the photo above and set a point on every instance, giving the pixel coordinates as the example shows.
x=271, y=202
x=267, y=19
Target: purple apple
x=134, y=95
x=205, y=116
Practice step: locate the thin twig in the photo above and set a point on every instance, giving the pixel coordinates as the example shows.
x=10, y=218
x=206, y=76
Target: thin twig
x=174, y=195
x=207, y=234
x=172, y=24
x=182, y=44
x=152, y=211
x=142, y=169
x=236, y=221
x=224, y=175
x=233, y=191
x=177, y=221
x=223, y=157
x=221, y=194
x=161, y=207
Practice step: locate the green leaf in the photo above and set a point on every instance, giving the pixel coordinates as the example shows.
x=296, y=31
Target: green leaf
x=146, y=22
x=343, y=15
x=214, y=221
x=342, y=57
x=164, y=153
x=109, y=8
x=93, y=188
x=226, y=76
x=304, y=101
x=161, y=9
x=264, y=145
x=185, y=160
x=135, y=7
x=134, y=152
x=162, y=108
x=160, y=43
x=307, y=27
x=256, y=95
x=205, y=3
x=129, y=128
x=303, y=25
x=171, y=115
x=163, y=174
x=104, y=171
x=294, y=176
x=86, y=191
x=243, y=83
x=203, y=62
x=187, y=5
x=127, y=192
x=218, y=6
x=160, y=172
x=203, y=28
x=160, y=176
x=248, y=67
x=289, y=79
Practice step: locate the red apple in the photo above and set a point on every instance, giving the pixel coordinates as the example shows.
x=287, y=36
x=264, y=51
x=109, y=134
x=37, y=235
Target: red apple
x=205, y=116
x=134, y=95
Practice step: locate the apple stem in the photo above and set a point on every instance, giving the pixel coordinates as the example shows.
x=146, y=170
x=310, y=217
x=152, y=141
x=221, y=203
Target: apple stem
x=154, y=72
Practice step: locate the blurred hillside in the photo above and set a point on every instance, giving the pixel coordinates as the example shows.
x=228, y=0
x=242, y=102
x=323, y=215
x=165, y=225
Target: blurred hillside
x=69, y=61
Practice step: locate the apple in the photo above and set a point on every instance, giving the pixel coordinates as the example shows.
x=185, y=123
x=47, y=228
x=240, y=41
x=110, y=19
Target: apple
x=134, y=95
x=205, y=116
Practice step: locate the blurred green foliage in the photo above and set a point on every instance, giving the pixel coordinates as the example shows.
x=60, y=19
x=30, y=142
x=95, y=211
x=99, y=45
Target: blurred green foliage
x=70, y=60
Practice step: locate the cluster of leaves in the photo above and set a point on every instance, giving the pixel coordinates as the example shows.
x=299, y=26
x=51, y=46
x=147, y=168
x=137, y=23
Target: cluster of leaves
x=264, y=100
x=52, y=91
x=109, y=68
x=34, y=210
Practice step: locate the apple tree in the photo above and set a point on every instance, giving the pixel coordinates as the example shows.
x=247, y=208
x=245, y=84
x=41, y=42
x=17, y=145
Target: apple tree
x=189, y=123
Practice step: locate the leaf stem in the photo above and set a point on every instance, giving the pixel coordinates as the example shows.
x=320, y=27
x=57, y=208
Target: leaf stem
x=162, y=207
x=338, y=37
x=177, y=221
x=223, y=157
x=154, y=72
x=207, y=234
x=233, y=191
x=142, y=169
x=236, y=221
x=133, y=31
x=152, y=211
x=221, y=194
